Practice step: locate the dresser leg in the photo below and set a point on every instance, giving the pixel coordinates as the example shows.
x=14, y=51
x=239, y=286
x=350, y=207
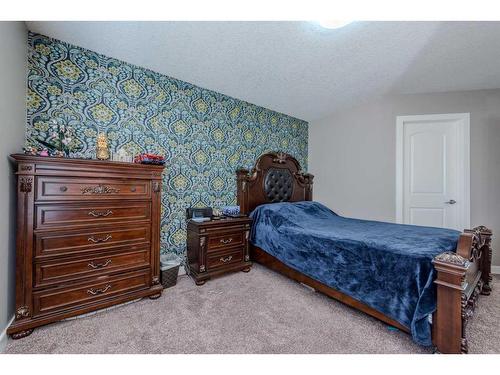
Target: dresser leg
x=20, y=335
x=155, y=296
x=246, y=269
x=200, y=282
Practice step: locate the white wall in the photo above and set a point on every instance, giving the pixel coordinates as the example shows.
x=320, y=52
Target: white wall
x=13, y=44
x=353, y=154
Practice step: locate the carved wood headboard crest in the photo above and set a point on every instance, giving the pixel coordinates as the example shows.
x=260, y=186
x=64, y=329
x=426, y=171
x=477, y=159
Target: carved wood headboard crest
x=276, y=177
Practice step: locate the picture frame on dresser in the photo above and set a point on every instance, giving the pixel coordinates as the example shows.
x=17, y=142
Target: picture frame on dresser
x=88, y=237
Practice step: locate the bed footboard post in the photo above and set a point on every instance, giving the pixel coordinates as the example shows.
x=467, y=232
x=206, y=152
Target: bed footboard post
x=482, y=238
x=447, y=325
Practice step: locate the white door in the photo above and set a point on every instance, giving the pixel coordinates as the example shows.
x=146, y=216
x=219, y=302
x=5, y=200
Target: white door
x=433, y=170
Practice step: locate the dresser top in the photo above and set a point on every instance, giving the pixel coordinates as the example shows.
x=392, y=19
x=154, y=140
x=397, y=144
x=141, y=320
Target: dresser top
x=102, y=163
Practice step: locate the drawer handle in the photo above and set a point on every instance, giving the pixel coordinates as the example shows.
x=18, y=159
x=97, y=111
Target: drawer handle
x=63, y=188
x=99, y=189
x=95, y=292
x=100, y=213
x=99, y=265
x=100, y=239
x=227, y=259
x=225, y=242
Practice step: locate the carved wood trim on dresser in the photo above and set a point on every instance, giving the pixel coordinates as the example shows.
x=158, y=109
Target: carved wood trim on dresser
x=88, y=237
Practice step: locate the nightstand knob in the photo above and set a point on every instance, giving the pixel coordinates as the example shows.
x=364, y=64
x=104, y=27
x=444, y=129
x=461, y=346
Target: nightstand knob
x=225, y=242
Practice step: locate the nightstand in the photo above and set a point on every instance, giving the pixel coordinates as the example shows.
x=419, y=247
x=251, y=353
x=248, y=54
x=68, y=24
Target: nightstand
x=218, y=246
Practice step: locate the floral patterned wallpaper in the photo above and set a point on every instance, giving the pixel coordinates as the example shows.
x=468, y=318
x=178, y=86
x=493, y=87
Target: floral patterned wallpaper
x=205, y=136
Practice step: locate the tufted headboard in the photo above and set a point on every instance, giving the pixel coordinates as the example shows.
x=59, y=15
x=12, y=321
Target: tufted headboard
x=276, y=177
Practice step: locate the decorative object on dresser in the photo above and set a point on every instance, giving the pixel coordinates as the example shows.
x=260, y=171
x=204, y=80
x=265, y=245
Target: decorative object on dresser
x=102, y=151
x=216, y=247
x=61, y=140
x=149, y=159
x=122, y=155
x=88, y=237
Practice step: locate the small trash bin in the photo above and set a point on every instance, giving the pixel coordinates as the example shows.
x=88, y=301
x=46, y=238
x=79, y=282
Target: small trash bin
x=169, y=268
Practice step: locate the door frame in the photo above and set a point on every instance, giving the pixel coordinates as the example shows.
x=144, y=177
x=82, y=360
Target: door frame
x=463, y=164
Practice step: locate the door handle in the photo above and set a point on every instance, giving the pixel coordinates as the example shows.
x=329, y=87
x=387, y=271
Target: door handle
x=451, y=201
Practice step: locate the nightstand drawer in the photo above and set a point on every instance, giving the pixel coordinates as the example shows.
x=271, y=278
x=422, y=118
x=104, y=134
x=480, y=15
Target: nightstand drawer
x=226, y=240
x=225, y=258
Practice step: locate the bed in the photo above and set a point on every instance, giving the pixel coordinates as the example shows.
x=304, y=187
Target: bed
x=424, y=281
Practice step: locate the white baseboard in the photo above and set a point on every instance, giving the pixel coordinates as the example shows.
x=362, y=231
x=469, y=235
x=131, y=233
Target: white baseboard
x=4, y=337
x=495, y=270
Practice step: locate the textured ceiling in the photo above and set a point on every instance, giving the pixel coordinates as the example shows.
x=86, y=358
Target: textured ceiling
x=299, y=68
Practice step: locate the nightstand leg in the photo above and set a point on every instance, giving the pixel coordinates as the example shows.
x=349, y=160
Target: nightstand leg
x=155, y=296
x=246, y=269
x=200, y=282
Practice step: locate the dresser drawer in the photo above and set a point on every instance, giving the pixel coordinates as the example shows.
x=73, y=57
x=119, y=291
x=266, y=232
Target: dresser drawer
x=68, y=215
x=62, y=270
x=221, y=259
x=224, y=241
x=53, y=188
x=85, y=240
x=50, y=300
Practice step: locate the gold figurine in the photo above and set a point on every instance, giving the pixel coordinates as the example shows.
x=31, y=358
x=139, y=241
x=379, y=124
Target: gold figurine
x=102, y=147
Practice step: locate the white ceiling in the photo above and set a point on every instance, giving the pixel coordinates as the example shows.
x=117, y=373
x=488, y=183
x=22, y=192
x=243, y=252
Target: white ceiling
x=298, y=68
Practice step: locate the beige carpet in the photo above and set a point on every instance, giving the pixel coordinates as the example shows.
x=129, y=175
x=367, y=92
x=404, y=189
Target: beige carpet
x=258, y=312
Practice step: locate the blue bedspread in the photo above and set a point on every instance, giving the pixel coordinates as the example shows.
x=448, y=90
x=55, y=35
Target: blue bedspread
x=386, y=266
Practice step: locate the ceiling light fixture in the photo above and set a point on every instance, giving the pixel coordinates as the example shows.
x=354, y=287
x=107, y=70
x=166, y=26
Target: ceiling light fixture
x=331, y=24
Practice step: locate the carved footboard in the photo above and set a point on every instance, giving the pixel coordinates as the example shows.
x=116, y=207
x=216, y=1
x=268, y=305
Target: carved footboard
x=461, y=277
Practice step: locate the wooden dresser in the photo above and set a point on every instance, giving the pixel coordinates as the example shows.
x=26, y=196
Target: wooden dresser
x=218, y=246
x=88, y=237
